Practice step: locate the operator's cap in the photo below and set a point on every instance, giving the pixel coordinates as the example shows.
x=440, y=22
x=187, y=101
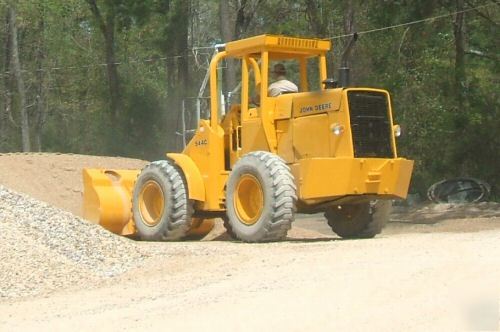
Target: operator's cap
x=279, y=69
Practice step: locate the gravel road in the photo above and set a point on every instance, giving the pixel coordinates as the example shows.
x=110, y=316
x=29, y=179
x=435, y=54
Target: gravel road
x=44, y=248
x=404, y=282
x=436, y=268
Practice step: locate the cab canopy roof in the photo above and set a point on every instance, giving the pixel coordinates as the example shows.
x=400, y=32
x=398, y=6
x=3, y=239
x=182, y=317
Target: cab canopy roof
x=279, y=47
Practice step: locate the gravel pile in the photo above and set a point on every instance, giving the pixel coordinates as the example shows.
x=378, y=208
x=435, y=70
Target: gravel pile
x=43, y=248
x=55, y=178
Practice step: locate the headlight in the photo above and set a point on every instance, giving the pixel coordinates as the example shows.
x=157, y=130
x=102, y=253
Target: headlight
x=337, y=129
x=397, y=130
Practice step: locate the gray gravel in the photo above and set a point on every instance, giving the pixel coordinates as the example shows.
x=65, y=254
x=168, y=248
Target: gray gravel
x=43, y=248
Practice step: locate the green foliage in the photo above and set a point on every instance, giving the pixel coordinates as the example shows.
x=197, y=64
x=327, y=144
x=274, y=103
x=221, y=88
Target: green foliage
x=415, y=63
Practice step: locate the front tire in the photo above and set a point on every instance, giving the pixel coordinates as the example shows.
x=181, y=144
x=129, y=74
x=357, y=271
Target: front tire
x=160, y=204
x=359, y=220
x=260, y=198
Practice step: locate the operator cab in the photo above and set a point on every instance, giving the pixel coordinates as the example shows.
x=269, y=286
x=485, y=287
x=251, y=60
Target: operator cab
x=305, y=60
x=305, y=63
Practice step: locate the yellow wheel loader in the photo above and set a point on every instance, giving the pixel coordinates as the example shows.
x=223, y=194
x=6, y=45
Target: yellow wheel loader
x=330, y=149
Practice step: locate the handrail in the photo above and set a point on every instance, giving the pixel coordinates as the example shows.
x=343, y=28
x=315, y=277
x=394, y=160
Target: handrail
x=214, y=97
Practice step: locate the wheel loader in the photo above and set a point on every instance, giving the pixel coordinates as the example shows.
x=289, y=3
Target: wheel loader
x=331, y=149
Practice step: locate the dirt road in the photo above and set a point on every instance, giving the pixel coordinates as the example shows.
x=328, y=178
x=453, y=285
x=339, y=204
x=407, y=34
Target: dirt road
x=416, y=276
x=398, y=282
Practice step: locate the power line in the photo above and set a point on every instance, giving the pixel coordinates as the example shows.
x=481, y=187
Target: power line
x=410, y=23
x=118, y=63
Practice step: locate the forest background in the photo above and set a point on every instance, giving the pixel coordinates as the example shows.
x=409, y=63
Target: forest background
x=110, y=77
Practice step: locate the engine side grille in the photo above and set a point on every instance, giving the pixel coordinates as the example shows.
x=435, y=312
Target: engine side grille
x=370, y=124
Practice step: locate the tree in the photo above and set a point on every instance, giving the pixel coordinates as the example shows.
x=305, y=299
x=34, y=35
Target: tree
x=346, y=58
x=62, y=89
x=227, y=31
x=459, y=33
x=319, y=24
x=40, y=112
x=16, y=69
x=107, y=22
x=235, y=18
x=6, y=88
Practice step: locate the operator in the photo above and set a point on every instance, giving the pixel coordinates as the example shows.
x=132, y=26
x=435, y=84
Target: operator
x=281, y=84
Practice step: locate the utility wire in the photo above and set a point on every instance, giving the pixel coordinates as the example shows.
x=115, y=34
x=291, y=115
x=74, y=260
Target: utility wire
x=118, y=63
x=409, y=23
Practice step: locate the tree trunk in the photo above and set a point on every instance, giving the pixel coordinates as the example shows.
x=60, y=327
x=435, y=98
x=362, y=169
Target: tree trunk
x=226, y=29
x=348, y=21
x=315, y=20
x=183, y=45
x=16, y=68
x=346, y=58
x=244, y=15
x=40, y=86
x=320, y=28
x=112, y=67
x=6, y=89
x=460, y=76
x=107, y=27
x=176, y=42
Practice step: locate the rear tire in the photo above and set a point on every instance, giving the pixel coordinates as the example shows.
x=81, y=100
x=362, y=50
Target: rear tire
x=260, y=198
x=160, y=204
x=359, y=220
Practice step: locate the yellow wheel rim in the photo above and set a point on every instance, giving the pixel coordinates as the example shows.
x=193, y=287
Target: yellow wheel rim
x=248, y=199
x=151, y=203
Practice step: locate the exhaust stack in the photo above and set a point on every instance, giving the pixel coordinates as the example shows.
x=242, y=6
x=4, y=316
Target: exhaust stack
x=344, y=77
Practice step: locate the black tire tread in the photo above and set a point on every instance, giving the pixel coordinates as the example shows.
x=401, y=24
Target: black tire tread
x=379, y=218
x=179, y=219
x=370, y=226
x=284, y=199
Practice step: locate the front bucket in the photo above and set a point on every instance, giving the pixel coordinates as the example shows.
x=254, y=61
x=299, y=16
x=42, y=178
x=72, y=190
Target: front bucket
x=107, y=201
x=107, y=198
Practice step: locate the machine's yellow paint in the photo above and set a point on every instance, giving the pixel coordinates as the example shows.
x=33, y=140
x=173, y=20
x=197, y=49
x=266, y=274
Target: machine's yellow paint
x=305, y=104
x=321, y=179
x=283, y=47
x=231, y=124
x=307, y=145
x=107, y=198
x=196, y=187
x=299, y=127
x=253, y=137
x=206, y=149
x=151, y=203
x=283, y=106
x=284, y=131
x=304, y=83
x=248, y=199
